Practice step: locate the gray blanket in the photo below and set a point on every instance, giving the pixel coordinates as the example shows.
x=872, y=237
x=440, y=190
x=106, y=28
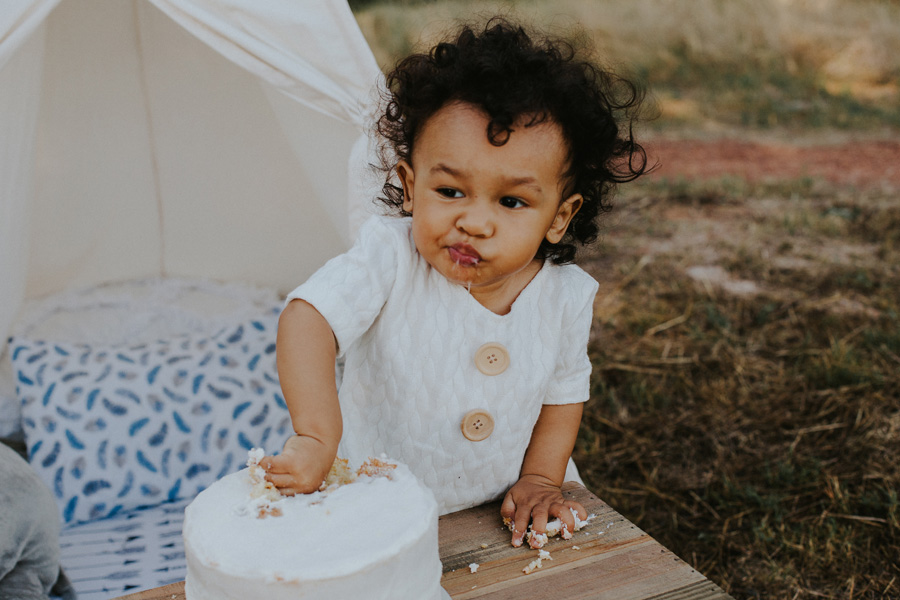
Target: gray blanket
x=29, y=534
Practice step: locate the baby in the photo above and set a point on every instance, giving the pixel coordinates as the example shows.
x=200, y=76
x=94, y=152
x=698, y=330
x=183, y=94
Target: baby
x=461, y=318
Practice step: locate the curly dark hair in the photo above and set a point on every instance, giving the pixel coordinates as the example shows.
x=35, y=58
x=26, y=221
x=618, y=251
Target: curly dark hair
x=510, y=74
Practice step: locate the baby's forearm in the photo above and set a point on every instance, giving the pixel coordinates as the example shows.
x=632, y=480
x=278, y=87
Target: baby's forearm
x=552, y=442
x=305, y=355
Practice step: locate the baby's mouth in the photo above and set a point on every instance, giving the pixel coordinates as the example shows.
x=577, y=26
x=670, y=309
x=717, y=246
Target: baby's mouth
x=464, y=255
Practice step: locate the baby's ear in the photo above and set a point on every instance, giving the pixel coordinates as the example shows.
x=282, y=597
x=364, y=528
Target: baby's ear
x=564, y=214
x=407, y=179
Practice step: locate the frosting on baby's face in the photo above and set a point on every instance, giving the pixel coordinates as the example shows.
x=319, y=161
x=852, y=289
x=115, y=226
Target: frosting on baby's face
x=480, y=211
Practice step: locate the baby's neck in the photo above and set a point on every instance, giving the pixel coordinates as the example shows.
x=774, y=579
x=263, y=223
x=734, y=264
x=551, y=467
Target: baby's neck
x=499, y=298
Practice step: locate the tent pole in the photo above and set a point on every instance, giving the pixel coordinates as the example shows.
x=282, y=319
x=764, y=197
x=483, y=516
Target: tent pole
x=152, y=139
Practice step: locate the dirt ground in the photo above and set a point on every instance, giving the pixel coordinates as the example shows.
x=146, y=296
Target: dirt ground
x=747, y=249
x=860, y=163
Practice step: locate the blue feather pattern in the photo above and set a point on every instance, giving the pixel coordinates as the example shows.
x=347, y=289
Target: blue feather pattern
x=115, y=428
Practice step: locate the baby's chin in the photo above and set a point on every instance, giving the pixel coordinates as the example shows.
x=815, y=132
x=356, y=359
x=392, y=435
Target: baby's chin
x=482, y=274
x=461, y=274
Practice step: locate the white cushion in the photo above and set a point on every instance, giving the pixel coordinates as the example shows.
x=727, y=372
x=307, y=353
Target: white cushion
x=111, y=427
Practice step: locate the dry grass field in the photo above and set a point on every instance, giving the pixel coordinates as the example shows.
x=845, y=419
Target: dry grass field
x=746, y=400
x=746, y=394
x=709, y=63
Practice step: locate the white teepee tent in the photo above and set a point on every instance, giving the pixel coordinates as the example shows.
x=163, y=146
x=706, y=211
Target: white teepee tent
x=223, y=139
x=167, y=141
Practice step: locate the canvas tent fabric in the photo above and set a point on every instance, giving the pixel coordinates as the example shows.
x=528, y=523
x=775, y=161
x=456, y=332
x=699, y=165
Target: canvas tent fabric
x=224, y=139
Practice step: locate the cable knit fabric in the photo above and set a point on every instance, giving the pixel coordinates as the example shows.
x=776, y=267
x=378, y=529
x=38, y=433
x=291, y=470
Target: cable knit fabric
x=409, y=337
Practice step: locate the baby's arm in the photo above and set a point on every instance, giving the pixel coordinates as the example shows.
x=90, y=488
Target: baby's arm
x=305, y=355
x=536, y=497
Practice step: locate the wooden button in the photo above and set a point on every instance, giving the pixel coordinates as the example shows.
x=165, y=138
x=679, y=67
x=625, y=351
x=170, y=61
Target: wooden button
x=477, y=425
x=492, y=358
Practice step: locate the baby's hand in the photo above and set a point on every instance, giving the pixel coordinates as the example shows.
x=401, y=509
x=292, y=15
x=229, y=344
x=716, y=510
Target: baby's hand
x=302, y=466
x=535, y=499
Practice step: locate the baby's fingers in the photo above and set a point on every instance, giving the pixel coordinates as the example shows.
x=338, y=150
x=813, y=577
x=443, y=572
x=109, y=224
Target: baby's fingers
x=560, y=510
x=539, y=517
x=508, y=508
x=277, y=464
x=290, y=475
x=508, y=512
x=281, y=481
x=578, y=508
x=563, y=512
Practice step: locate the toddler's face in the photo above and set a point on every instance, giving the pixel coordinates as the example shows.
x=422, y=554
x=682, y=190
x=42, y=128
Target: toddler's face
x=481, y=211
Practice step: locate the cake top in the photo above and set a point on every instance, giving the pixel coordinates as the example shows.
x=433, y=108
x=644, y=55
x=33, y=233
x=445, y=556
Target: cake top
x=264, y=496
x=357, y=519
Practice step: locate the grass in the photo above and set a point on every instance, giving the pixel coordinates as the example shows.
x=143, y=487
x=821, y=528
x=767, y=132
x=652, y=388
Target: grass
x=754, y=435
x=762, y=64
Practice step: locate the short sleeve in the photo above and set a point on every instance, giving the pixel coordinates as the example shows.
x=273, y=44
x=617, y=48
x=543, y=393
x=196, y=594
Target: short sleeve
x=572, y=379
x=351, y=289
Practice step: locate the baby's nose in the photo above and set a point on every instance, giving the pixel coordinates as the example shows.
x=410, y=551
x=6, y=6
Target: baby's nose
x=476, y=221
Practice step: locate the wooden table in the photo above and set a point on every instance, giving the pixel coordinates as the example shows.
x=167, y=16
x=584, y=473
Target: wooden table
x=609, y=559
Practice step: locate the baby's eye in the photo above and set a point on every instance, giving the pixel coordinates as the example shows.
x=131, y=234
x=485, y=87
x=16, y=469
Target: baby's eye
x=449, y=192
x=511, y=202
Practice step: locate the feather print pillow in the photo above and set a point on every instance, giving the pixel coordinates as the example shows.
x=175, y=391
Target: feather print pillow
x=113, y=428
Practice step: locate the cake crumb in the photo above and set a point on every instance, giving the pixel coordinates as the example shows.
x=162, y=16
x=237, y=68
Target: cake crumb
x=254, y=455
x=339, y=474
x=473, y=567
x=483, y=546
x=263, y=494
x=268, y=511
x=554, y=528
x=537, y=563
x=536, y=540
x=376, y=468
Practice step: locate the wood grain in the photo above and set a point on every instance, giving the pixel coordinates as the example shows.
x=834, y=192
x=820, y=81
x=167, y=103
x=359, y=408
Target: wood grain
x=609, y=559
x=173, y=591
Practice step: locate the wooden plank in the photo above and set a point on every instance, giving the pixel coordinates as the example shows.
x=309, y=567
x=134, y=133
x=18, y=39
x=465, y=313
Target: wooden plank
x=609, y=559
x=463, y=533
x=173, y=591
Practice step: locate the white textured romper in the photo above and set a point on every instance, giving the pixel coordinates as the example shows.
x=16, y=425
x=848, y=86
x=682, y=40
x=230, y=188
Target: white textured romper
x=409, y=337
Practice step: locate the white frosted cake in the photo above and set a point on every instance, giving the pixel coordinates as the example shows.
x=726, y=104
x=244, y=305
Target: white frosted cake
x=371, y=535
